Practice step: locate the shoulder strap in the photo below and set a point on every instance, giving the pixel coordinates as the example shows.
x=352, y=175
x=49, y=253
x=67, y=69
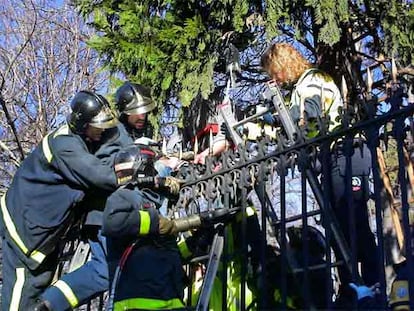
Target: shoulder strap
x=306, y=73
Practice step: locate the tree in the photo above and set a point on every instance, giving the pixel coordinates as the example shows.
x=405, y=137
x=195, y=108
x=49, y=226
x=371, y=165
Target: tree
x=172, y=46
x=176, y=46
x=44, y=60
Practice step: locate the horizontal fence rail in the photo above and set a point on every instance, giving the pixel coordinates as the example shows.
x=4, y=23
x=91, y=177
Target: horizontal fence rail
x=312, y=230
x=296, y=238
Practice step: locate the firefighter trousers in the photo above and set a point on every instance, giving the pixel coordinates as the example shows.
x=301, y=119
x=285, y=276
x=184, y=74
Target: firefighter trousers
x=84, y=283
x=22, y=286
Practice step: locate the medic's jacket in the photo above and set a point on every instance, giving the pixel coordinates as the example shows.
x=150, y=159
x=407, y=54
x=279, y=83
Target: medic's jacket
x=41, y=202
x=151, y=277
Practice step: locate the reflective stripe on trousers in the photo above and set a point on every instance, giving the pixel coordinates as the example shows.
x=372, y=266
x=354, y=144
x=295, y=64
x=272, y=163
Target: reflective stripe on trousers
x=17, y=290
x=67, y=292
x=11, y=228
x=148, y=304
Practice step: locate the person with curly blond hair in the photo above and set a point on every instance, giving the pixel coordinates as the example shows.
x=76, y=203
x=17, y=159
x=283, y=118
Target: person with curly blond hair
x=284, y=63
x=314, y=95
x=315, y=99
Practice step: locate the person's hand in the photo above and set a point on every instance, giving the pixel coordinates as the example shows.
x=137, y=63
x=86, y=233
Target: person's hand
x=166, y=226
x=171, y=162
x=172, y=184
x=200, y=159
x=363, y=291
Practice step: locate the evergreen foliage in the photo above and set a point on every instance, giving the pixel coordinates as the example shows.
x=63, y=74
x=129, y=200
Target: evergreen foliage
x=176, y=46
x=172, y=46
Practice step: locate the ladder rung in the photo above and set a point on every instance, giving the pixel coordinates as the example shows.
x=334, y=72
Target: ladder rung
x=296, y=217
x=319, y=266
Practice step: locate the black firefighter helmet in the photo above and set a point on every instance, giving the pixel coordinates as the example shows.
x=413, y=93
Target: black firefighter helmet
x=132, y=98
x=134, y=161
x=89, y=108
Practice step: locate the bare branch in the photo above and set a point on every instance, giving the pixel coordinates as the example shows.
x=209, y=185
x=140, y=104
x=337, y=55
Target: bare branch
x=41, y=78
x=10, y=154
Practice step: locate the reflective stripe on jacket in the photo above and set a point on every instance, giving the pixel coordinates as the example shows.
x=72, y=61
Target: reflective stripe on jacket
x=38, y=207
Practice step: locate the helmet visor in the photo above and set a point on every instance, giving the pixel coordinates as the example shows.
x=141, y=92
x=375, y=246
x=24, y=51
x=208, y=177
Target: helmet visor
x=105, y=119
x=140, y=105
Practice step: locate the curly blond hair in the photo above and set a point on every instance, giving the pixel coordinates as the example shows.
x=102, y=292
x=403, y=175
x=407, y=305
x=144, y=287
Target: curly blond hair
x=283, y=60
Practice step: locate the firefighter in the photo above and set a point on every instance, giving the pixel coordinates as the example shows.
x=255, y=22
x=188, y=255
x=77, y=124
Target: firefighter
x=42, y=201
x=144, y=262
x=96, y=267
x=112, y=140
x=133, y=102
x=313, y=92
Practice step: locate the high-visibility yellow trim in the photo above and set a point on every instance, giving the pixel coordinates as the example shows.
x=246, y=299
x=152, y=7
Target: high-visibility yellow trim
x=278, y=298
x=37, y=256
x=67, y=292
x=184, y=250
x=400, y=294
x=145, y=218
x=250, y=211
x=64, y=130
x=11, y=228
x=46, y=149
x=17, y=290
x=148, y=304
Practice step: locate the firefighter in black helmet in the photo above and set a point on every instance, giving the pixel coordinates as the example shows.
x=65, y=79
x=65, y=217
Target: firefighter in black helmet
x=112, y=140
x=134, y=102
x=90, y=111
x=149, y=275
x=41, y=203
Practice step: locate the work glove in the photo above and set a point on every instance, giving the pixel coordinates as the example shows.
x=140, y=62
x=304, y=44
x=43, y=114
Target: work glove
x=362, y=291
x=170, y=183
x=166, y=226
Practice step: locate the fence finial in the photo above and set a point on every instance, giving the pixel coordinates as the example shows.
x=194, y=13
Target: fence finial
x=393, y=71
x=195, y=145
x=344, y=91
x=210, y=143
x=369, y=81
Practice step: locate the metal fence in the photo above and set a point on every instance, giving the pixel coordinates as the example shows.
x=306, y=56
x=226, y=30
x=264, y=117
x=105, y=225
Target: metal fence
x=316, y=235
x=308, y=218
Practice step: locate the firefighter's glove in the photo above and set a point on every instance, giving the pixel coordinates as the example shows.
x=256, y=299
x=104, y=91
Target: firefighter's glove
x=166, y=226
x=169, y=183
x=212, y=217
